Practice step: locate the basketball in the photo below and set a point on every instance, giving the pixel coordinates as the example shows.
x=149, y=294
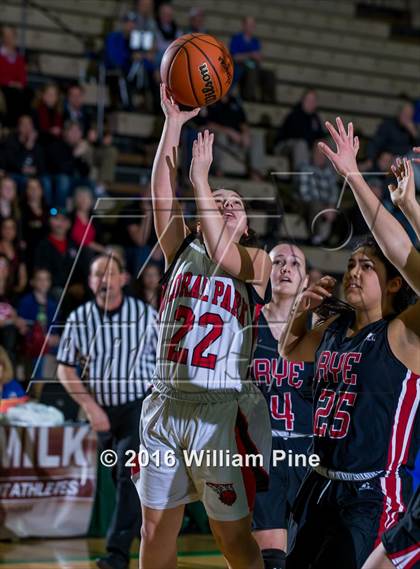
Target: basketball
x=197, y=69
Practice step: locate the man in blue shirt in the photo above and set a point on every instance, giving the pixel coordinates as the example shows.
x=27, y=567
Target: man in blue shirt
x=246, y=51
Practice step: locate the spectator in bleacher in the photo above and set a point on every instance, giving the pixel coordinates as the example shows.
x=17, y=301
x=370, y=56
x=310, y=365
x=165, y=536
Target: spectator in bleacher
x=12, y=77
x=167, y=30
x=301, y=127
x=196, y=18
x=396, y=135
x=23, y=155
x=256, y=83
x=228, y=120
x=318, y=190
x=70, y=162
x=48, y=114
x=360, y=227
x=38, y=309
x=105, y=157
x=148, y=284
x=75, y=109
x=146, y=16
x=188, y=135
x=378, y=177
x=34, y=219
x=57, y=253
x=118, y=60
x=136, y=234
x=10, y=246
x=9, y=203
x=381, y=171
x=11, y=325
x=144, y=75
x=85, y=230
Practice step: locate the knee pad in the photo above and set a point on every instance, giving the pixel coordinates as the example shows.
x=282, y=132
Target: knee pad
x=274, y=558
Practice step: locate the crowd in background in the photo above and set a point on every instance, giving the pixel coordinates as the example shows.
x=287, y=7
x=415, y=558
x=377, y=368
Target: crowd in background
x=54, y=164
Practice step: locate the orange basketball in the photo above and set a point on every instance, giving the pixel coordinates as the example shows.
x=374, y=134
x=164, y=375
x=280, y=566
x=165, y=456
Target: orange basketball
x=197, y=69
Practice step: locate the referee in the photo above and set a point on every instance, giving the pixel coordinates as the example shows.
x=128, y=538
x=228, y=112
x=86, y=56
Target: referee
x=106, y=360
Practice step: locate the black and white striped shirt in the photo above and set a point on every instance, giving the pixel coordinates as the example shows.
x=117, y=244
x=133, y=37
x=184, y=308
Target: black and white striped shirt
x=116, y=350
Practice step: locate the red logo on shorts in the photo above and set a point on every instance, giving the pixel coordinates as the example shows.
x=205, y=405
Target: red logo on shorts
x=226, y=493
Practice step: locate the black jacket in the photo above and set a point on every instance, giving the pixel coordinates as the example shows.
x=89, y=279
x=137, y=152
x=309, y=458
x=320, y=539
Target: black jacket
x=14, y=156
x=299, y=124
x=62, y=161
x=48, y=257
x=391, y=137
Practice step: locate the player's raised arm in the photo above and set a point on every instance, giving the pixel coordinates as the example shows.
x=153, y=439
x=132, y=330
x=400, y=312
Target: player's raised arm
x=299, y=343
x=403, y=194
x=222, y=227
x=387, y=231
x=169, y=222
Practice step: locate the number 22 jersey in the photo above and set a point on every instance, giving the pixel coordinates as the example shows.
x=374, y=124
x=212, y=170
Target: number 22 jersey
x=366, y=402
x=206, y=324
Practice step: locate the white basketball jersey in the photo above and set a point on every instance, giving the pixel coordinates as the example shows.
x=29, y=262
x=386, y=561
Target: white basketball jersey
x=206, y=334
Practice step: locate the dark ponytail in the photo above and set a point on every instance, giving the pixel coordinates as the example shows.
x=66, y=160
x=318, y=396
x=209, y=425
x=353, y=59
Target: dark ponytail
x=402, y=299
x=332, y=306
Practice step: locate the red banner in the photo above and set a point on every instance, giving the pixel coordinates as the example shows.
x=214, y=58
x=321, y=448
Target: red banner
x=47, y=480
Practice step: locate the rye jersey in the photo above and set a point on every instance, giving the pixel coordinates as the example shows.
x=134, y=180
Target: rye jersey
x=206, y=332
x=365, y=402
x=286, y=386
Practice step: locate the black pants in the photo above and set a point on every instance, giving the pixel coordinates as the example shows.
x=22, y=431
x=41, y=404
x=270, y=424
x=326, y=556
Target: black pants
x=17, y=104
x=272, y=508
x=123, y=436
x=334, y=524
x=257, y=83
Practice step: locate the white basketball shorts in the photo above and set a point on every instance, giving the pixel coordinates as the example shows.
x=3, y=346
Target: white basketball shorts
x=213, y=447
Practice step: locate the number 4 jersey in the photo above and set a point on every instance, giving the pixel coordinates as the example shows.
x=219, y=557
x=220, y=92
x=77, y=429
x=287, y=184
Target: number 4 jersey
x=206, y=332
x=287, y=386
x=366, y=402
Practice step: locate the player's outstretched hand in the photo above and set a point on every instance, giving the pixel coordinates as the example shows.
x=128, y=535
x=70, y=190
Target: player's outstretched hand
x=347, y=146
x=172, y=110
x=202, y=157
x=404, y=192
x=312, y=296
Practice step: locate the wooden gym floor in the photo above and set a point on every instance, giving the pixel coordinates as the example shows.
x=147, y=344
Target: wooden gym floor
x=195, y=552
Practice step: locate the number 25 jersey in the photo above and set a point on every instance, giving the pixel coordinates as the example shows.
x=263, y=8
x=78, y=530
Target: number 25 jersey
x=206, y=332
x=366, y=402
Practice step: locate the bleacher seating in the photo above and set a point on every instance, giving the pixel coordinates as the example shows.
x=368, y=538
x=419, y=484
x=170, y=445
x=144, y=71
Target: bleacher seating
x=359, y=72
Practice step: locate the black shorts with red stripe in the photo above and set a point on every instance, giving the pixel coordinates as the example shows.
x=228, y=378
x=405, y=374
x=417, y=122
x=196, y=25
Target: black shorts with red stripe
x=402, y=542
x=272, y=508
x=337, y=524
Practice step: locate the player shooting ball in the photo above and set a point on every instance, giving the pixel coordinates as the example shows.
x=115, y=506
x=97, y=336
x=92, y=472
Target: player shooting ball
x=203, y=397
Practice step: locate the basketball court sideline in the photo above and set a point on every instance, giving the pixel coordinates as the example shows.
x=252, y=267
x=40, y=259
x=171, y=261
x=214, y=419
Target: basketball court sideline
x=194, y=552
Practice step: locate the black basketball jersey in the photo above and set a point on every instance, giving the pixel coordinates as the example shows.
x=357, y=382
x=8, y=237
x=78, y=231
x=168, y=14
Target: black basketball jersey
x=287, y=386
x=365, y=402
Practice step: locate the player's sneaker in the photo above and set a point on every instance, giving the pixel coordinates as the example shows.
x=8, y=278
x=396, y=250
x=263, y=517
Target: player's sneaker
x=112, y=561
